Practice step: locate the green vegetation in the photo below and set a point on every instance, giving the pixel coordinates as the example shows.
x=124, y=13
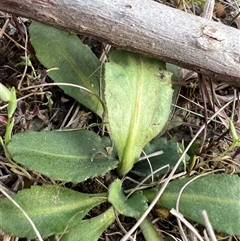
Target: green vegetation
x=132, y=96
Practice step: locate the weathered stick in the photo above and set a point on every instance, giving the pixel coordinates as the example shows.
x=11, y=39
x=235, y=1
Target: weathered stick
x=146, y=27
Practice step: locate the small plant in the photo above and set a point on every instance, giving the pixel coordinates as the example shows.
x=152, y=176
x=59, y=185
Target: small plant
x=135, y=104
x=8, y=96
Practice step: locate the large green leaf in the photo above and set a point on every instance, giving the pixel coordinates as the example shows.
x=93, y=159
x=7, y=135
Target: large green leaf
x=53, y=210
x=169, y=157
x=218, y=194
x=62, y=155
x=75, y=62
x=138, y=96
x=134, y=206
x=91, y=229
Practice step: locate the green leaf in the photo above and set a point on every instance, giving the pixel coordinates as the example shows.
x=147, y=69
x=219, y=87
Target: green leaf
x=218, y=194
x=12, y=104
x=169, y=156
x=5, y=94
x=138, y=96
x=63, y=155
x=131, y=207
x=175, y=70
x=53, y=210
x=233, y=133
x=91, y=229
x=75, y=62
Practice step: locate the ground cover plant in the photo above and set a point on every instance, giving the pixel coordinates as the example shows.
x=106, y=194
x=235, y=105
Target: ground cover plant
x=131, y=96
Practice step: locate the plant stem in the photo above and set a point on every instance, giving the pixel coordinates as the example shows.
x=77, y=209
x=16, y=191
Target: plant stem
x=149, y=232
x=9, y=128
x=128, y=159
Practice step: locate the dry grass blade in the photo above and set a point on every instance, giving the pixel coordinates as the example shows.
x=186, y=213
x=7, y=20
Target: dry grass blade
x=180, y=217
x=208, y=226
x=208, y=9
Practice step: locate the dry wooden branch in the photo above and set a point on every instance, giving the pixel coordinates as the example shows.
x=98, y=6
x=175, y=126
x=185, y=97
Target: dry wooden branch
x=146, y=27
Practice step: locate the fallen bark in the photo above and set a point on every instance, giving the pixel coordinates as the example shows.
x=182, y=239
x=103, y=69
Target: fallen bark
x=146, y=27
